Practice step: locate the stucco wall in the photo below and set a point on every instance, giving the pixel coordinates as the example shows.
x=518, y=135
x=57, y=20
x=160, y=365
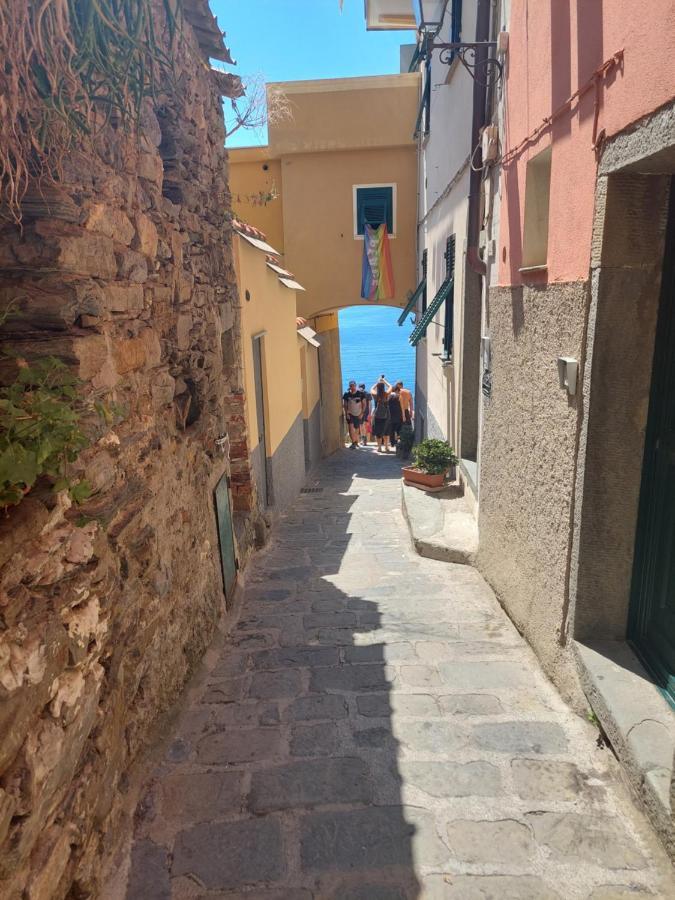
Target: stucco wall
x=554, y=48
x=255, y=173
x=319, y=223
x=330, y=372
x=286, y=467
x=528, y=462
x=271, y=310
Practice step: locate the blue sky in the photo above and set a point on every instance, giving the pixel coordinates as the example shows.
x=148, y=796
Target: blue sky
x=289, y=40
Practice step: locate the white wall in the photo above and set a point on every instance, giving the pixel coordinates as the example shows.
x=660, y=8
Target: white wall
x=444, y=190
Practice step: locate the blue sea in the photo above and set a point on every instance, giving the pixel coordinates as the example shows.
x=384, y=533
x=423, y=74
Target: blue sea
x=372, y=344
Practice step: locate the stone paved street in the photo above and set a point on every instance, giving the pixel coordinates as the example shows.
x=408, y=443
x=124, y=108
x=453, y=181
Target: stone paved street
x=374, y=728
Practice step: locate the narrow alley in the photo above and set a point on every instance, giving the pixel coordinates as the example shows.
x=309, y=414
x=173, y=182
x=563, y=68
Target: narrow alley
x=374, y=727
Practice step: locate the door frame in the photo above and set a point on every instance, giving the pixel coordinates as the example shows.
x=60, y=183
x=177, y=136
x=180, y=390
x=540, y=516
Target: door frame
x=645, y=559
x=262, y=413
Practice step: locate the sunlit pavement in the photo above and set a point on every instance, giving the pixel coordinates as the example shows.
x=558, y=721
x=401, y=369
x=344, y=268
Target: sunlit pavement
x=374, y=727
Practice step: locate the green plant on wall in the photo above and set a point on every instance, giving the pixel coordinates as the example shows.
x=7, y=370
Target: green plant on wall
x=68, y=68
x=434, y=456
x=43, y=421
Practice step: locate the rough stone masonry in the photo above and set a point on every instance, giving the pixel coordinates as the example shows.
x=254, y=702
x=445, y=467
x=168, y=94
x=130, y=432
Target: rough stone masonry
x=124, y=271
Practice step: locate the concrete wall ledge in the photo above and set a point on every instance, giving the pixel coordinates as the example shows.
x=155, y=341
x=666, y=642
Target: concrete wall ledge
x=441, y=525
x=638, y=722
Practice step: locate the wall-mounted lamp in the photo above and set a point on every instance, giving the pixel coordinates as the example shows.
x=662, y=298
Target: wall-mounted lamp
x=568, y=369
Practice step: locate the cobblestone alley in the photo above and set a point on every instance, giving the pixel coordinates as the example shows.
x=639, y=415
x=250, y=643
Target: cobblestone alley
x=373, y=727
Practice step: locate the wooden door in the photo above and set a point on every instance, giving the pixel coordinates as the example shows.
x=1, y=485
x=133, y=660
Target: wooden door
x=225, y=535
x=652, y=620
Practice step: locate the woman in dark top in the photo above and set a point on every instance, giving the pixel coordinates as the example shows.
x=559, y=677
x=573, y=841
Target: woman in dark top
x=395, y=415
x=380, y=416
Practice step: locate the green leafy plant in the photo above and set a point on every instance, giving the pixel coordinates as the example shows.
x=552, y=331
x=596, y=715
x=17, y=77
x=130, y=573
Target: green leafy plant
x=434, y=456
x=42, y=429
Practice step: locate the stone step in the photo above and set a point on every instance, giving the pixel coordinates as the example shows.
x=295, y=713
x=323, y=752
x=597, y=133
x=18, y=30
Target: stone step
x=441, y=524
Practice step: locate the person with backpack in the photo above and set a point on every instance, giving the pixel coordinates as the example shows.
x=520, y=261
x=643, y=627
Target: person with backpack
x=380, y=420
x=395, y=415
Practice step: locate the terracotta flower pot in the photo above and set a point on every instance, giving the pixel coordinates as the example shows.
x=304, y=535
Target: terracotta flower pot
x=414, y=476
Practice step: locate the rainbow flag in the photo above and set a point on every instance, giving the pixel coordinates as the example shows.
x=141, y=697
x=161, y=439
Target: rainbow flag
x=377, y=276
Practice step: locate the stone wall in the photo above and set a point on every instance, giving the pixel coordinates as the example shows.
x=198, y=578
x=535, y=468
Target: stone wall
x=125, y=272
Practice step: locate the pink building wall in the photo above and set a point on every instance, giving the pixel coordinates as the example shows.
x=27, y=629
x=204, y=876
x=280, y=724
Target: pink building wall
x=555, y=46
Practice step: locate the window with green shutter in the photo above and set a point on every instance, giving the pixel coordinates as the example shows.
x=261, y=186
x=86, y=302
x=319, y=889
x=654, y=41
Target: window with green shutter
x=449, y=303
x=375, y=206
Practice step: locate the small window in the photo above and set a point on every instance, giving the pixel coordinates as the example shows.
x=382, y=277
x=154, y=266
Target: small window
x=374, y=205
x=537, y=193
x=450, y=302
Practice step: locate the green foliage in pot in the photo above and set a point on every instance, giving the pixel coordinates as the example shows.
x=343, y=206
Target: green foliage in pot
x=405, y=442
x=42, y=429
x=434, y=457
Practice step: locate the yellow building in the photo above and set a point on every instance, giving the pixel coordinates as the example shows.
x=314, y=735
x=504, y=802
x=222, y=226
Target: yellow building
x=280, y=372
x=344, y=156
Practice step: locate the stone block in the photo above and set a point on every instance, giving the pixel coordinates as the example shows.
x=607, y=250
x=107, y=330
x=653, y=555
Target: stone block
x=468, y=676
x=246, y=745
x=439, y=737
x=318, y=706
x=131, y=266
x=470, y=705
x=146, y=237
x=451, y=779
x=183, y=328
x=349, y=679
x=520, y=737
x=487, y=887
x=274, y=685
x=547, y=780
x=576, y=837
x=162, y=389
x=129, y=354
x=49, y=863
x=229, y=855
x=201, y=796
x=149, y=876
x=84, y=253
x=319, y=739
x=310, y=783
x=110, y=221
x=505, y=841
x=124, y=298
x=150, y=167
x=384, y=705
x=374, y=838
x=295, y=657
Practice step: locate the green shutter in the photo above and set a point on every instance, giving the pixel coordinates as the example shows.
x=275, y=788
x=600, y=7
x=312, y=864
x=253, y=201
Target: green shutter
x=420, y=330
x=412, y=302
x=374, y=205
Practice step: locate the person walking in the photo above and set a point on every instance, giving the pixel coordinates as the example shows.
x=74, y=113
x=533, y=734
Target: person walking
x=353, y=404
x=395, y=415
x=380, y=417
x=406, y=402
x=366, y=414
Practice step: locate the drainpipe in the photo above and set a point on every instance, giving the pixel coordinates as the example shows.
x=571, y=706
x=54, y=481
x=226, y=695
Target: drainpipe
x=476, y=264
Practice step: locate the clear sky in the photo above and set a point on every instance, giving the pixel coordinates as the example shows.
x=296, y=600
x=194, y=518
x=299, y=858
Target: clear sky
x=293, y=40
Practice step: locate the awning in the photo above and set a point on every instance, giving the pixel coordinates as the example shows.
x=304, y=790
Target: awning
x=293, y=285
x=261, y=245
x=412, y=302
x=445, y=291
x=309, y=335
x=275, y=268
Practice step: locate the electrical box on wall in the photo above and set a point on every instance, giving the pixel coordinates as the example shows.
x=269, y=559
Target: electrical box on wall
x=567, y=374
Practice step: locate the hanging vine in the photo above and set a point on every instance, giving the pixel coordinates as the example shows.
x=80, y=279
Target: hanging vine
x=68, y=67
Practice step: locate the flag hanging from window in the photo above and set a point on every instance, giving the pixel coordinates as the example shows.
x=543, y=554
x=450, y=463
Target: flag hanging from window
x=377, y=276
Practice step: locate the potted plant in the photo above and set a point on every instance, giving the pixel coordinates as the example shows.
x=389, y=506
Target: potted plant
x=405, y=442
x=435, y=460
